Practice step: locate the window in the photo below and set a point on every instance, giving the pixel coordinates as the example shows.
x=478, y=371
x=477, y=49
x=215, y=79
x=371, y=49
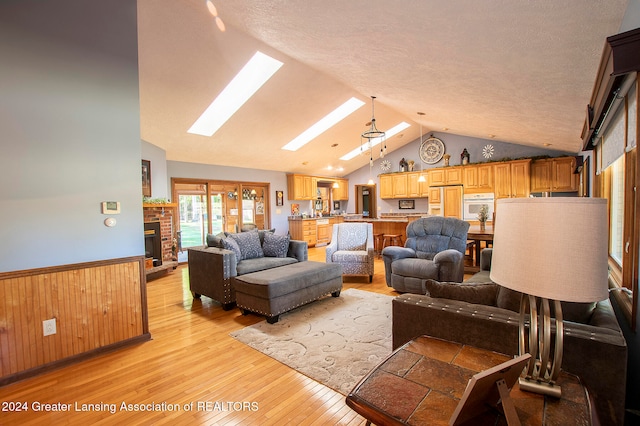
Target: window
x=616, y=209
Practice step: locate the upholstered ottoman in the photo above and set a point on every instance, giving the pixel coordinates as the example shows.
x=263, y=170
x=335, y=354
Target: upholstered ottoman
x=277, y=290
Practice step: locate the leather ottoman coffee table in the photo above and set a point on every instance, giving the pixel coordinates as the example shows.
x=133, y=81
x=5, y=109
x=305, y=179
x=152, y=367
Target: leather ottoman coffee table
x=422, y=382
x=274, y=291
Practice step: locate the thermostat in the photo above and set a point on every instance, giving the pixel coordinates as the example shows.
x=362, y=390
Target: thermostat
x=111, y=207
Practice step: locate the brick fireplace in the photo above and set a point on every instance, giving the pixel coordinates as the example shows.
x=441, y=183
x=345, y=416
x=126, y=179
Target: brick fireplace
x=162, y=215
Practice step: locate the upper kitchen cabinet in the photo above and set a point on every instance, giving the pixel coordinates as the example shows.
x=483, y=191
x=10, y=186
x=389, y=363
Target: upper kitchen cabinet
x=301, y=187
x=341, y=193
x=445, y=176
x=554, y=175
x=512, y=179
x=478, y=178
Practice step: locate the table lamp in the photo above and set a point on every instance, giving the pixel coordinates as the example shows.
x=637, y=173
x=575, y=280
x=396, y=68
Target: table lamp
x=549, y=249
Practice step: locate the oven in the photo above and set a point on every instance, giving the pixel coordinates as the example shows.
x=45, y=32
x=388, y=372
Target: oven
x=471, y=204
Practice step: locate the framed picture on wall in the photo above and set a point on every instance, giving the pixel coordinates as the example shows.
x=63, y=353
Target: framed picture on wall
x=279, y=198
x=336, y=205
x=146, y=178
x=406, y=204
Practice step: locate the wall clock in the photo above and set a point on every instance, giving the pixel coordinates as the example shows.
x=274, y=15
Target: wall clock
x=385, y=165
x=431, y=150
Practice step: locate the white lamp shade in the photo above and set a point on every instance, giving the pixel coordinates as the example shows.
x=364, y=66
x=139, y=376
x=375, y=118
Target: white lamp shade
x=555, y=248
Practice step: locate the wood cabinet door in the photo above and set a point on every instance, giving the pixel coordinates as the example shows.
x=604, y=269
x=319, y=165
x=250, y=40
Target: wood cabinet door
x=564, y=180
x=540, y=176
x=520, y=179
x=502, y=175
x=452, y=201
x=400, y=185
x=386, y=186
x=436, y=177
x=434, y=196
x=485, y=178
x=470, y=180
x=453, y=175
x=342, y=192
x=413, y=186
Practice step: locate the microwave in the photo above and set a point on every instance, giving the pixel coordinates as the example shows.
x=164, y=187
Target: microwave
x=471, y=204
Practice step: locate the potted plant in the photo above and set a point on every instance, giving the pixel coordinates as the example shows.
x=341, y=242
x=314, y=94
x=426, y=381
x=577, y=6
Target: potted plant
x=483, y=215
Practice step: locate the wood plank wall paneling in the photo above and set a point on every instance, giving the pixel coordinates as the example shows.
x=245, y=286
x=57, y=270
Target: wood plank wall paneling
x=95, y=304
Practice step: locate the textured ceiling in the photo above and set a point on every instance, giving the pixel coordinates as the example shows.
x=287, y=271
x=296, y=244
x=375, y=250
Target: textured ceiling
x=522, y=71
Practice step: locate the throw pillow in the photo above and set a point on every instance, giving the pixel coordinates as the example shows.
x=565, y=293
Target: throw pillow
x=249, y=243
x=508, y=299
x=481, y=294
x=275, y=245
x=231, y=244
x=216, y=240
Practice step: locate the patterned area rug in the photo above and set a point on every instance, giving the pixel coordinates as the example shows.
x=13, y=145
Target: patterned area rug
x=335, y=340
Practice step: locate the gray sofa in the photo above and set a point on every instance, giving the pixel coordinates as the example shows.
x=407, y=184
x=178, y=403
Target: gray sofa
x=484, y=314
x=434, y=249
x=212, y=268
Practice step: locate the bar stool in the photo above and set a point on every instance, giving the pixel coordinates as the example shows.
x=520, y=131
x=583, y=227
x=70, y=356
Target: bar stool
x=392, y=239
x=377, y=243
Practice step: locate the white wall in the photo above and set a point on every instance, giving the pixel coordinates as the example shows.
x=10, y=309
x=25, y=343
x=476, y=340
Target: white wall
x=69, y=132
x=158, y=158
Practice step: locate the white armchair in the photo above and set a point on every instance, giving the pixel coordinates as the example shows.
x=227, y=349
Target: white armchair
x=352, y=247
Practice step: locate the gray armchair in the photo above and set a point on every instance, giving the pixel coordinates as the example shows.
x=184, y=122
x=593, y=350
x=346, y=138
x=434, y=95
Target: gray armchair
x=352, y=247
x=434, y=249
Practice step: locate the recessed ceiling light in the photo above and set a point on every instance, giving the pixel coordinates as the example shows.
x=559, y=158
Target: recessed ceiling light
x=546, y=144
x=445, y=128
x=328, y=121
x=333, y=145
x=492, y=136
x=304, y=163
x=245, y=84
x=391, y=132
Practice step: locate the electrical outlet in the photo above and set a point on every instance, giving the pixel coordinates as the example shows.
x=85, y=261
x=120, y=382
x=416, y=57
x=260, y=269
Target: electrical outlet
x=49, y=326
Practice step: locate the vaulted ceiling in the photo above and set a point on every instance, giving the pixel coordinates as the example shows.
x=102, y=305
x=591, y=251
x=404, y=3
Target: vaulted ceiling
x=516, y=71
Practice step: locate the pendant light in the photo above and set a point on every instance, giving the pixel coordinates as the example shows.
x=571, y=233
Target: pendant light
x=373, y=133
x=421, y=178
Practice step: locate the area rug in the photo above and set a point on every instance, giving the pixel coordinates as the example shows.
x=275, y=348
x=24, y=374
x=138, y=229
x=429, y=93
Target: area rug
x=335, y=341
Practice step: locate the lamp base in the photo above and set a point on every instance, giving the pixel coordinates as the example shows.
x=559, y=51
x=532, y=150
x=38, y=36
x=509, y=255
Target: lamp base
x=542, y=372
x=543, y=388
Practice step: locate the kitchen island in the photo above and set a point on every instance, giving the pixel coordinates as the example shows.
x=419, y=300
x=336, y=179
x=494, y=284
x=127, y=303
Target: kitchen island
x=389, y=224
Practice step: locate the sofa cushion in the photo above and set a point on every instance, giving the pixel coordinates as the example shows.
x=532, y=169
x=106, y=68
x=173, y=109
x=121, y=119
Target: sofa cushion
x=249, y=243
x=356, y=256
x=481, y=294
x=263, y=232
x=261, y=263
x=231, y=244
x=275, y=245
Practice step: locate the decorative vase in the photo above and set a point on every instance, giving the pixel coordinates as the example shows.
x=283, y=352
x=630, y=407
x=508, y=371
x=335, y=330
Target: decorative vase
x=483, y=226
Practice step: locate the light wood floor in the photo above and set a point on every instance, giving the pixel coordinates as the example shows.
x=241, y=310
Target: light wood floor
x=190, y=359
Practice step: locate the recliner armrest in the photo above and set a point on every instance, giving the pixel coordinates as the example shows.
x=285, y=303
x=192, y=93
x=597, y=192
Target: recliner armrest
x=391, y=254
x=485, y=259
x=450, y=265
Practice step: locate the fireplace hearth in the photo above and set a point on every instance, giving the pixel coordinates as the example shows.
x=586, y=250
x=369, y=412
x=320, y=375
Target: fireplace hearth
x=153, y=242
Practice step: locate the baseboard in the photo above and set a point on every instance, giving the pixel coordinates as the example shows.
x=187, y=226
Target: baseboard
x=73, y=359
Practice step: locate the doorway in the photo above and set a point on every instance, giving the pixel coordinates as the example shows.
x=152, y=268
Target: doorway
x=366, y=201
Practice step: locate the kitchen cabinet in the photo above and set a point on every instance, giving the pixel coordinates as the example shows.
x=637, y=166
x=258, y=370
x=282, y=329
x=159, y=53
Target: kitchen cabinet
x=403, y=185
x=512, y=179
x=452, y=205
x=399, y=185
x=478, y=178
x=301, y=187
x=323, y=231
x=303, y=230
x=341, y=193
x=386, y=186
x=415, y=188
x=445, y=176
x=554, y=175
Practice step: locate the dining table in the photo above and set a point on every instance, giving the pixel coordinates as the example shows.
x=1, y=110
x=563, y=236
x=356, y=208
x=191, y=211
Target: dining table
x=478, y=234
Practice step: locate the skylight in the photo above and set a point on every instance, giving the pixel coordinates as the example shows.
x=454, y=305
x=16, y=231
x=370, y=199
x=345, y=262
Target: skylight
x=245, y=84
x=324, y=124
x=389, y=133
